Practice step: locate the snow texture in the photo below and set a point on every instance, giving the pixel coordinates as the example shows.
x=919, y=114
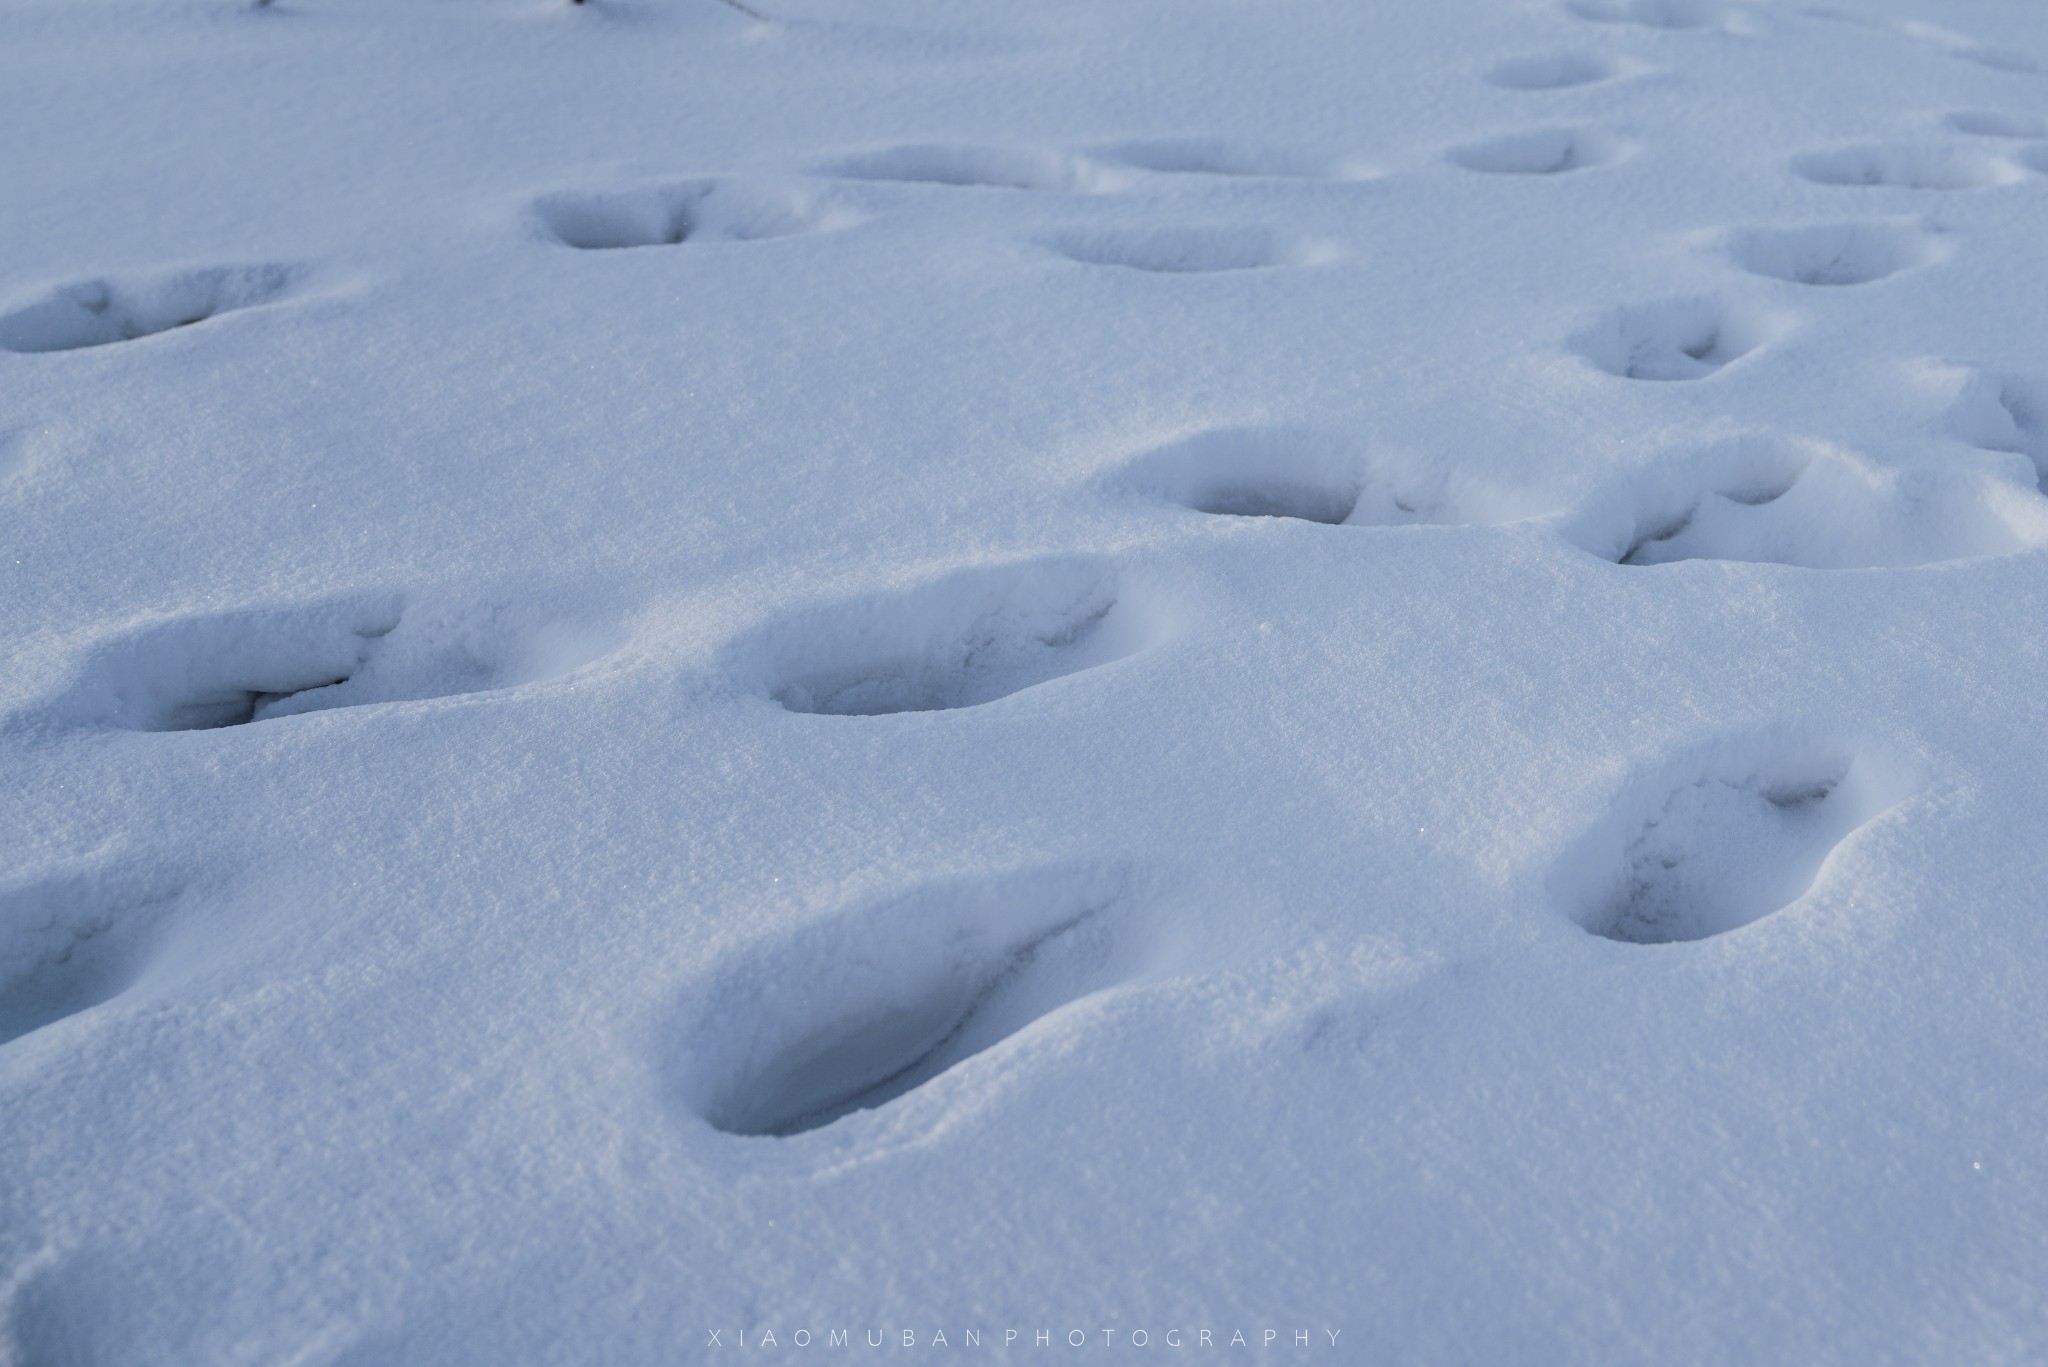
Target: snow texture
x=1160, y=666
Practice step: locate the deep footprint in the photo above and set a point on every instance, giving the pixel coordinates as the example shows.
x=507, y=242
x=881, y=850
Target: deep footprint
x=870, y=1007
x=1719, y=842
x=234, y=669
x=971, y=638
x=91, y=313
x=1296, y=473
x=73, y=941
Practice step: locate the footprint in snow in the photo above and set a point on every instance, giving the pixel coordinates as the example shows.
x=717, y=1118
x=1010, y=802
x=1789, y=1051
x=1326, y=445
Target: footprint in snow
x=970, y=638
x=1776, y=501
x=688, y=211
x=1997, y=124
x=2006, y=413
x=232, y=669
x=73, y=940
x=966, y=166
x=1191, y=251
x=1303, y=474
x=1833, y=254
x=1553, y=71
x=1676, y=339
x=1721, y=838
x=1906, y=166
x=1540, y=152
x=873, y=1005
x=1220, y=157
x=101, y=312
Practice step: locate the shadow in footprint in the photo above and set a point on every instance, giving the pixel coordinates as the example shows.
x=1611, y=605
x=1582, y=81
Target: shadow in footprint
x=868, y=1007
x=1552, y=71
x=692, y=211
x=1000, y=168
x=91, y=313
x=1992, y=124
x=1300, y=473
x=1998, y=59
x=1676, y=339
x=232, y=669
x=72, y=941
x=1836, y=254
x=2003, y=413
x=1541, y=152
x=1904, y=166
x=1720, y=839
x=1186, y=251
x=1220, y=157
x=970, y=638
x=1778, y=501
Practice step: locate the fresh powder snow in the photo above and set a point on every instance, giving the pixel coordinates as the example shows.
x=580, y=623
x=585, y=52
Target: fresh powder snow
x=1065, y=680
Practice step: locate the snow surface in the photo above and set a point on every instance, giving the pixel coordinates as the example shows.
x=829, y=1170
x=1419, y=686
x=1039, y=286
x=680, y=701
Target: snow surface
x=1160, y=665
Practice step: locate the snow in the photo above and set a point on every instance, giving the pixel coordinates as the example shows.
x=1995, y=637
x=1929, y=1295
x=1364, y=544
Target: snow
x=1157, y=668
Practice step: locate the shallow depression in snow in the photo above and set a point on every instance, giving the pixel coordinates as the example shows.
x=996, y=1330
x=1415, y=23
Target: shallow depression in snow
x=1540, y=152
x=1552, y=71
x=1905, y=166
x=1674, y=339
x=1223, y=157
x=1190, y=251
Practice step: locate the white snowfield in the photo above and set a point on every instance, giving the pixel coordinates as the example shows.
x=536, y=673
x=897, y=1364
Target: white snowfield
x=1365, y=679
